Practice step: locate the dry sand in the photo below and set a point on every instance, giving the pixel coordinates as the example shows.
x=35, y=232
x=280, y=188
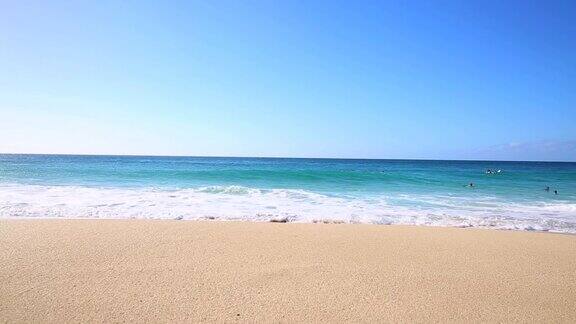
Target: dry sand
x=158, y=271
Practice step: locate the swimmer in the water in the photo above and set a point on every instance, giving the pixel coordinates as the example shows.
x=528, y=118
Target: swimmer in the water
x=547, y=188
x=471, y=185
x=555, y=192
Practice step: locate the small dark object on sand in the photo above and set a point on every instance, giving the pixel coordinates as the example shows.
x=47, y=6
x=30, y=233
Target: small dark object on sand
x=279, y=220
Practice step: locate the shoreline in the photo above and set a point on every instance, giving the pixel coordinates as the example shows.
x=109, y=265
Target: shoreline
x=281, y=221
x=169, y=270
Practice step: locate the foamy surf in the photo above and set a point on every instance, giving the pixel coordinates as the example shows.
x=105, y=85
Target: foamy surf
x=281, y=205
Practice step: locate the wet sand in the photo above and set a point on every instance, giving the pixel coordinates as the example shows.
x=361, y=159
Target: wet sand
x=159, y=271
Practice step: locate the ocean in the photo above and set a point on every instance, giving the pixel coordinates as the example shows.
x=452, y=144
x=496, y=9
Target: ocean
x=415, y=192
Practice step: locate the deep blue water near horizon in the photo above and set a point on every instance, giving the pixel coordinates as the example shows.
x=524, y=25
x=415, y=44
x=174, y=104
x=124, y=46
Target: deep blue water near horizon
x=425, y=192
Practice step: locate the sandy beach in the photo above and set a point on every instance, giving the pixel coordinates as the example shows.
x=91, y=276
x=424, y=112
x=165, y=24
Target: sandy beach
x=159, y=271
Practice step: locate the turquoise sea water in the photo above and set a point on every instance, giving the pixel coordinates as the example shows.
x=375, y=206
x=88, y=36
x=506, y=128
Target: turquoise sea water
x=300, y=190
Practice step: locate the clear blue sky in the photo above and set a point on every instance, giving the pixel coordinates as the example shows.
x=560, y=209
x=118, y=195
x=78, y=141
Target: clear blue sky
x=381, y=79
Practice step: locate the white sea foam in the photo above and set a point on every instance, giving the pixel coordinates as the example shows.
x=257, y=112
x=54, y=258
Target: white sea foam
x=251, y=204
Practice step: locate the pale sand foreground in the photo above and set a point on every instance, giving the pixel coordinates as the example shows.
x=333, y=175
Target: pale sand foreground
x=114, y=270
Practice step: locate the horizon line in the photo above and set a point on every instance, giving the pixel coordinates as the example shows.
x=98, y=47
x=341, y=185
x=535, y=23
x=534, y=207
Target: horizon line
x=284, y=157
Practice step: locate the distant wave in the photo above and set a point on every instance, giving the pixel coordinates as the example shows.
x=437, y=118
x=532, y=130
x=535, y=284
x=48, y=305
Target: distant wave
x=286, y=205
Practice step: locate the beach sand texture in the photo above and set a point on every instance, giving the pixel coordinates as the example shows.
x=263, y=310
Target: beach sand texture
x=159, y=271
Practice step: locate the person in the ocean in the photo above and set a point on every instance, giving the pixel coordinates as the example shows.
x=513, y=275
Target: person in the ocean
x=547, y=188
x=555, y=192
x=471, y=185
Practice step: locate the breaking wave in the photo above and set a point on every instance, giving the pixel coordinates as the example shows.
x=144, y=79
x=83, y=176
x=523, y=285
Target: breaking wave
x=283, y=205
